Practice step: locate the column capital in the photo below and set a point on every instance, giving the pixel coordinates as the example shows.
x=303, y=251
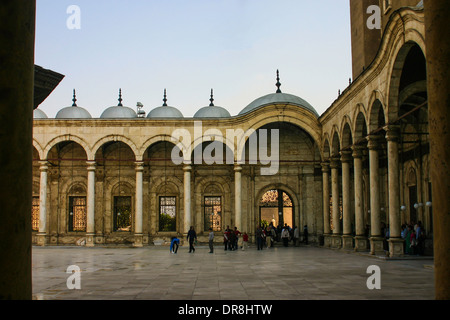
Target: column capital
x=358, y=151
x=373, y=142
x=43, y=165
x=325, y=166
x=334, y=163
x=393, y=133
x=346, y=156
x=187, y=168
x=91, y=165
x=237, y=167
x=139, y=165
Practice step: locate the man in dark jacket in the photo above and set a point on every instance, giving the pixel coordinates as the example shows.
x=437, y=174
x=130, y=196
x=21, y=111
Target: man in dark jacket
x=191, y=236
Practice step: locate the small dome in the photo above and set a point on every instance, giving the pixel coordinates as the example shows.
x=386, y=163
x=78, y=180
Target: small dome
x=212, y=111
x=278, y=98
x=73, y=112
x=165, y=111
x=119, y=111
x=39, y=114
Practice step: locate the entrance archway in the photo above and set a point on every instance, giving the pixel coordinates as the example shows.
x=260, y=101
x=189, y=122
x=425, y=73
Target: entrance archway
x=276, y=207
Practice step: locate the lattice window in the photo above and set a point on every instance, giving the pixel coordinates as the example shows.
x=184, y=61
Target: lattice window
x=213, y=213
x=167, y=214
x=77, y=214
x=271, y=199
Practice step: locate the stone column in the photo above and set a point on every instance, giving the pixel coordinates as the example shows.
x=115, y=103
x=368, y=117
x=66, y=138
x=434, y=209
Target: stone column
x=42, y=236
x=360, y=238
x=376, y=239
x=187, y=198
x=238, y=196
x=17, y=29
x=347, y=239
x=90, y=215
x=336, y=239
x=438, y=68
x=326, y=203
x=395, y=239
x=138, y=236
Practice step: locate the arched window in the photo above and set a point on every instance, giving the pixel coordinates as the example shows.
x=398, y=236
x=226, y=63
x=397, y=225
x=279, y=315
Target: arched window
x=276, y=207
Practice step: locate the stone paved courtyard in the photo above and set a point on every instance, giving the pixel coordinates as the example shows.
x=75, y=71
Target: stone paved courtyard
x=294, y=273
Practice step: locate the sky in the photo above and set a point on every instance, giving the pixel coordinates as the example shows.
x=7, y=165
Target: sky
x=190, y=47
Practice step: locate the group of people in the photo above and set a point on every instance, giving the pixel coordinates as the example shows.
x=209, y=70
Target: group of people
x=414, y=236
x=231, y=239
x=265, y=237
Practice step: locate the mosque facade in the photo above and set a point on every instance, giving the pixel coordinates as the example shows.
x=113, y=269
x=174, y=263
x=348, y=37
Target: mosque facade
x=349, y=174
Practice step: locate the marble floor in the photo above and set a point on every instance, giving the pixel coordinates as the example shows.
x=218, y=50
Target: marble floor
x=293, y=273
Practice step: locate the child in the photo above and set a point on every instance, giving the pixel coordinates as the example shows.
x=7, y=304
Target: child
x=245, y=241
x=174, y=245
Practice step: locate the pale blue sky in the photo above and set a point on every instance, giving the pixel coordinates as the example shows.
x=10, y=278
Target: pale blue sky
x=191, y=46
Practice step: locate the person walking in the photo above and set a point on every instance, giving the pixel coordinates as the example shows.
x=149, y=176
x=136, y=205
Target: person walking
x=244, y=241
x=211, y=240
x=191, y=236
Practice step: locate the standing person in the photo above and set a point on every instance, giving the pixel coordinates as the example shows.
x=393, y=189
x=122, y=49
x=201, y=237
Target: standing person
x=232, y=241
x=226, y=238
x=408, y=240
x=285, y=236
x=191, y=236
x=245, y=241
x=305, y=234
x=237, y=233
x=296, y=235
x=260, y=238
x=269, y=236
x=174, y=245
x=211, y=240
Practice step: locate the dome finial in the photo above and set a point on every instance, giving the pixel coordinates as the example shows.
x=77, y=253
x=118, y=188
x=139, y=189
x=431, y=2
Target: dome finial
x=74, y=98
x=212, y=98
x=278, y=82
x=120, y=98
x=165, y=98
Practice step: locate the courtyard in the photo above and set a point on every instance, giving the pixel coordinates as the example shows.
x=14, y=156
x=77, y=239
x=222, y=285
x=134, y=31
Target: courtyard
x=293, y=273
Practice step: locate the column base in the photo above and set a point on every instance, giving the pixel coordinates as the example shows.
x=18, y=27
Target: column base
x=99, y=239
x=42, y=239
x=347, y=242
x=376, y=246
x=327, y=240
x=396, y=247
x=361, y=244
x=90, y=240
x=138, y=240
x=336, y=241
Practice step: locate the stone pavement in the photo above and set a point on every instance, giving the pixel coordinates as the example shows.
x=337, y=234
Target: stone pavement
x=293, y=273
